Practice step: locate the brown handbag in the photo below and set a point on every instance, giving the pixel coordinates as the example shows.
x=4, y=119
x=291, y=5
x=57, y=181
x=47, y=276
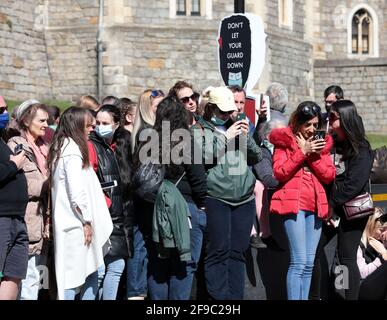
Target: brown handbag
x=359, y=207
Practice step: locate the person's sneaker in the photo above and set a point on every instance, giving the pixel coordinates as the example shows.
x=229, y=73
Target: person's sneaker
x=272, y=243
x=256, y=242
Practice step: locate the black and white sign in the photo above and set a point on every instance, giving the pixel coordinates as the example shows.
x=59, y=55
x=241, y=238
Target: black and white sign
x=241, y=50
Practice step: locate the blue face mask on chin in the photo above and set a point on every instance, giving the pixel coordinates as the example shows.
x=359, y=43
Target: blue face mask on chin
x=4, y=119
x=105, y=132
x=218, y=122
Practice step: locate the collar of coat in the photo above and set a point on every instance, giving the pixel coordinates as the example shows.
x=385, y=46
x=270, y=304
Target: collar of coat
x=284, y=138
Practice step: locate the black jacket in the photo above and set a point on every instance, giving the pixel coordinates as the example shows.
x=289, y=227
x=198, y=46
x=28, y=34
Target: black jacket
x=13, y=185
x=353, y=181
x=107, y=172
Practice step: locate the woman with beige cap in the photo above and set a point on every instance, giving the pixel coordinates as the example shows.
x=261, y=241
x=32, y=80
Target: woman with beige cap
x=31, y=117
x=230, y=206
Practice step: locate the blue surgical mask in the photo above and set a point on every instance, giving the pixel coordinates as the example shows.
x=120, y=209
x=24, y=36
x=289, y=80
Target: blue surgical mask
x=105, y=132
x=4, y=119
x=53, y=126
x=218, y=122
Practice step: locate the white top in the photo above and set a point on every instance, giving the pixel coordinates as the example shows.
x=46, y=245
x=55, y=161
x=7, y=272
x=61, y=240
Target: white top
x=74, y=187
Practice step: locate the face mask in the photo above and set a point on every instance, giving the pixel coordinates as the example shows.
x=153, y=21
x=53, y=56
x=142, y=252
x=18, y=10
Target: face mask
x=218, y=122
x=268, y=145
x=105, y=132
x=53, y=126
x=4, y=119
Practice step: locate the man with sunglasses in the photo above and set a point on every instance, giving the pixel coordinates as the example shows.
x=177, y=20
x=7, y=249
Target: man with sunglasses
x=331, y=95
x=184, y=92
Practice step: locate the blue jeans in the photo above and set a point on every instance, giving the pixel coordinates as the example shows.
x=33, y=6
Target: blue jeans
x=228, y=237
x=303, y=231
x=170, y=278
x=114, y=268
x=136, y=267
x=88, y=289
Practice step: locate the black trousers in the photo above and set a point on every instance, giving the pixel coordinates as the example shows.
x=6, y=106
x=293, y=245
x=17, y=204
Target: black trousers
x=374, y=287
x=348, y=239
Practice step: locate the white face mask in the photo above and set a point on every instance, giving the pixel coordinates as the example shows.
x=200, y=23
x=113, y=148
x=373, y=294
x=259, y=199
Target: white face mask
x=105, y=132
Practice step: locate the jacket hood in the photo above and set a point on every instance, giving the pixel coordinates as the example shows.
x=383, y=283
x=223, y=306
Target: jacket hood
x=284, y=138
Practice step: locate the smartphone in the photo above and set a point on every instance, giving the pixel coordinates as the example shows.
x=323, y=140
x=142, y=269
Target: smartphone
x=319, y=134
x=335, y=221
x=109, y=185
x=241, y=116
x=18, y=149
x=265, y=98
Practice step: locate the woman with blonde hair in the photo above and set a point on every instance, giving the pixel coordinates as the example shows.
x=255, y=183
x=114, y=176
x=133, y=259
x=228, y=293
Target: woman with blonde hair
x=145, y=114
x=145, y=117
x=372, y=256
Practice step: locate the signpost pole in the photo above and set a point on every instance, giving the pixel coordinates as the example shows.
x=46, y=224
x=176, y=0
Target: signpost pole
x=239, y=6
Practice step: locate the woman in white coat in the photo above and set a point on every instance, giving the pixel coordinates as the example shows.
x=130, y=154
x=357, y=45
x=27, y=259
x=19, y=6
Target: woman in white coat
x=81, y=219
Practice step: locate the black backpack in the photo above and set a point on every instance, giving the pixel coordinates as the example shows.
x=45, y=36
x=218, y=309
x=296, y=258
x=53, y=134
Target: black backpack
x=147, y=180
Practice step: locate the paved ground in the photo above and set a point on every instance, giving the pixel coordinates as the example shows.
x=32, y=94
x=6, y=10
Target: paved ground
x=266, y=269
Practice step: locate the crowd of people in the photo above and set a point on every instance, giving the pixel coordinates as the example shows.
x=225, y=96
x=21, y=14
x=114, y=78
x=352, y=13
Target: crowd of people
x=123, y=199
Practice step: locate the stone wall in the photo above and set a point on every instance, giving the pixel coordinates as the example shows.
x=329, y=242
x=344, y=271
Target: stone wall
x=289, y=55
x=332, y=15
x=363, y=82
x=23, y=58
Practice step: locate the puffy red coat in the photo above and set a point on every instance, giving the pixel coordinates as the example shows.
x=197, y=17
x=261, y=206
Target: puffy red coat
x=288, y=161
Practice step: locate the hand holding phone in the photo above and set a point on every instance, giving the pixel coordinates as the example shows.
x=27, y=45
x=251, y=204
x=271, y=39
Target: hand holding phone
x=319, y=134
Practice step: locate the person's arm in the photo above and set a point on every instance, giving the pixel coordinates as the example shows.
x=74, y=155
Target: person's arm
x=254, y=152
x=264, y=170
x=8, y=170
x=356, y=176
x=285, y=167
x=364, y=268
x=75, y=187
x=92, y=156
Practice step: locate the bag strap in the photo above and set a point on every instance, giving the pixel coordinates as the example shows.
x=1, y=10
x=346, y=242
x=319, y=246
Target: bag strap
x=178, y=181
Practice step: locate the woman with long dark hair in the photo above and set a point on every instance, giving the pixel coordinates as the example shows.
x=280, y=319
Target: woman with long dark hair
x=170, y=277
x=302, y=165
x=105, y=164
x=353, y=159
x=81, y=219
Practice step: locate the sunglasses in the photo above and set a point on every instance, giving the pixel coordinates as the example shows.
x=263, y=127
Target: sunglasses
x=314, y=110
x=157, y=93
x=328, y=102
x=333, y=117
x=194, y=97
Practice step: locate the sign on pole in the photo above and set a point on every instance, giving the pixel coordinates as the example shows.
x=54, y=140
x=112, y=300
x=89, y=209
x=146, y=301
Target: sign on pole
x=241, y=50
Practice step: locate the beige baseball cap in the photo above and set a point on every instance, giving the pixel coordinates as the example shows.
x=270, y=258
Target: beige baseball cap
x=223, y=98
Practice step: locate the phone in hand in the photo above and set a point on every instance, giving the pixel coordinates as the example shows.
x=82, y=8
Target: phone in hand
x=18, y=149
x=319, y=134
x=109, y=185
x=241, y=116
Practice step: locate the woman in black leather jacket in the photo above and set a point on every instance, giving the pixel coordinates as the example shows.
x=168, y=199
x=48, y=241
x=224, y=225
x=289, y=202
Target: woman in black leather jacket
x=105, y=163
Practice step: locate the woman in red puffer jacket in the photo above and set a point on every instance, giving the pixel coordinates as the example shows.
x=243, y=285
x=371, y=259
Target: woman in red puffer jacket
x=302, y=165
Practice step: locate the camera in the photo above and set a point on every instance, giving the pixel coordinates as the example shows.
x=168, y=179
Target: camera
x=319, y=134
